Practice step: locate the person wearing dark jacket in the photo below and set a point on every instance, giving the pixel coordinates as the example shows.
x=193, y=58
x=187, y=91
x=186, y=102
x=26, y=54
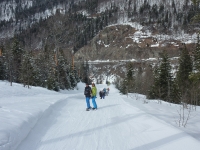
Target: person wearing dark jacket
x=102, y=94
x=87, y=94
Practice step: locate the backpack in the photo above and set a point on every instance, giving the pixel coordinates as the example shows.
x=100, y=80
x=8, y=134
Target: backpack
x=87, y=91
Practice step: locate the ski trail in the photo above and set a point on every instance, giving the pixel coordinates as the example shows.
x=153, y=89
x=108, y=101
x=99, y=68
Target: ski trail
x=116, y=125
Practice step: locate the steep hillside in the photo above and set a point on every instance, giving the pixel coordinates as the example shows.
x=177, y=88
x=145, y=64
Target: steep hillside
x=109, y=52
x=165, y=15
x=114, y=30
x=123, y=42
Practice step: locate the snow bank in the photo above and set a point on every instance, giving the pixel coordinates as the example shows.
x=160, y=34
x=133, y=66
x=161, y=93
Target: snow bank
x=20, y=110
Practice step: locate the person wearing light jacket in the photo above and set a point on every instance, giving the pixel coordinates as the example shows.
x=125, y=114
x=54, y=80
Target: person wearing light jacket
x=93, y=95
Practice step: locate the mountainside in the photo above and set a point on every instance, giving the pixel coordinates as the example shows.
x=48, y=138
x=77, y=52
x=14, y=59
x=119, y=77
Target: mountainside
x=173, y=15
x=124, y=42
x=149, y=47
x=136, y=30
x=10, y=9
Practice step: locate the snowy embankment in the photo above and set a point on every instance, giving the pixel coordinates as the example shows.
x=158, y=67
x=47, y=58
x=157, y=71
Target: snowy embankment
x=39, y=119
x=20, y=110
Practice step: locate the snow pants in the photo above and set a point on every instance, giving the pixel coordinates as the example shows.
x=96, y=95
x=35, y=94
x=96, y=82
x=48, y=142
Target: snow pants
x=94, y=102
x=88, y=101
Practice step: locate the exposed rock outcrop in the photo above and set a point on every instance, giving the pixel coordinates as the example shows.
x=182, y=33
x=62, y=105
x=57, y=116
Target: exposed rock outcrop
x=118, y=43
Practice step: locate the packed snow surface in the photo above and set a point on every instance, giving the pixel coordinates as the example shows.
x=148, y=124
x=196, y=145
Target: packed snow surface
x=39, y=119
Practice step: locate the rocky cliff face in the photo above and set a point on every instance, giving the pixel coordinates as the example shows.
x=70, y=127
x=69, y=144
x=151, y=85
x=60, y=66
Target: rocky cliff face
x=120, y=42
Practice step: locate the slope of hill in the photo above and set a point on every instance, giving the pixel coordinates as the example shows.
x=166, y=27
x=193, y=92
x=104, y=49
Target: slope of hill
x=167, y=16
x=94, y=30
x=125, y=42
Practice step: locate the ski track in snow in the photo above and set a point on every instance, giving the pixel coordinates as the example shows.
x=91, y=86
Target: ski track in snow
x=116, y=125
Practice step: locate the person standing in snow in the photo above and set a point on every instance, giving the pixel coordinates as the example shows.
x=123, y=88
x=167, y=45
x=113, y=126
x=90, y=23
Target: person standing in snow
x=87, y=94
x=93, y=95
x=101, y=94
x=104, y=91
x=108, y=90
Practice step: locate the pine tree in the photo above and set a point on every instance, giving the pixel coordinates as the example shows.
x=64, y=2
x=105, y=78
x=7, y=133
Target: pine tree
x=51, y=81
x=2, y=70
x=76, y=76
x=174, y=7
x=175, y=93
x=17, y=54
x=139, y=80
x=64, y=73
x=36, y=74
x=123, y=86
x=85, y=74
x=165, y=78
x=127, y=85
x=45, y=74
x=130, y=78
x=26, y=74
x=154, y=89
x=182, y=77
x=40, y=70
x=2, y=64
x=62, y=70
x=9, y=65
x=73, y=80
x=162, y=80
x=196, y=55
x=195, y=75
x=196, y=17
x=185, y=68
x=147, y=79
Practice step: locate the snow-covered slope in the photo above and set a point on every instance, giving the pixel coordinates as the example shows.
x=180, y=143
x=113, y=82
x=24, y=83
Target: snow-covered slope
x=8, y=7
x=25, y=13
x=38, y=119
x=124, y=4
